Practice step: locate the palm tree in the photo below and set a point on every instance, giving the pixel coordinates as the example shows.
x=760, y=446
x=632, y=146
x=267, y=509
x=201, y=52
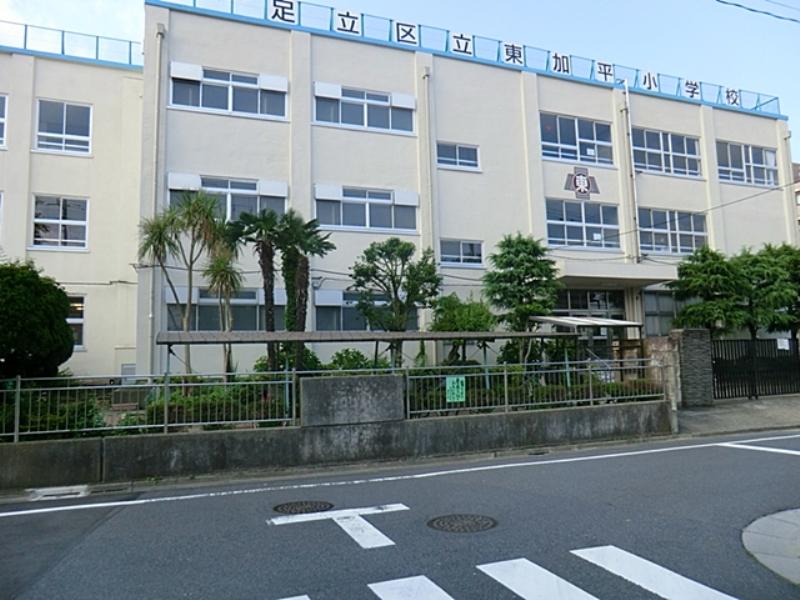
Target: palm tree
x=298, y=241
x=225, y=280
x=182, y=232
x=263, y=232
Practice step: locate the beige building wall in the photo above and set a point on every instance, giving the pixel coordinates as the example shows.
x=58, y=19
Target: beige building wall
x=107, y=177
x=456, y=101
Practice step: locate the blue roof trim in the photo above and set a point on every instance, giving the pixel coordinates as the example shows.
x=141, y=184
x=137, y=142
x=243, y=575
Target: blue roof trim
x=77, y=59
x=475, y=59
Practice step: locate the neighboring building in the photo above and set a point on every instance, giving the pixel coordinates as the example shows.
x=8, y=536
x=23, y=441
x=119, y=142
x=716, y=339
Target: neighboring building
x=442, y=139
x=796, y=175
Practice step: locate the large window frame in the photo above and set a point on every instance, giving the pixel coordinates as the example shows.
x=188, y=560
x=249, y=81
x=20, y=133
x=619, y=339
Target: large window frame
x=582, y=224
x=65, y=140
x=744, y=163
x=64, y=223
x=76, y=319
x=232, y=195
x=205, y=312
x=370, y=110
x=3, y=119
x=663, y=231
x=361, y=208
x=461, y=253
x=336, y=317
x=660, y=310
x=576, y=139
x=227, y=92
x=665, y=152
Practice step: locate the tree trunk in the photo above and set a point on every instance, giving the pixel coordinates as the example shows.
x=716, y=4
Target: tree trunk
x=266, y=255
x=302, y=275
x=290, y=271
x=187, y=316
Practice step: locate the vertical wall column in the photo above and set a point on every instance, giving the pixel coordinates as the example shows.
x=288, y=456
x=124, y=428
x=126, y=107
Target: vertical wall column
x=708, y=158
x=537, y=217
x=785, y=176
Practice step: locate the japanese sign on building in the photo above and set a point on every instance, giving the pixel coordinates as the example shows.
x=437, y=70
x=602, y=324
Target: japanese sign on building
x=583, y=184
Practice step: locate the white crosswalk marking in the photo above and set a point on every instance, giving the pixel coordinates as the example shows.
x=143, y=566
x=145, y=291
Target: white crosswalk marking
x=650, y=576
x=297, y=598
x=363, y=532
x=410, y=588
x=531, y=582
x=761, y=448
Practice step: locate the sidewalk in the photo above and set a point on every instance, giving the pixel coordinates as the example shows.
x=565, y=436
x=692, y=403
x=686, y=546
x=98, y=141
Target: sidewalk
x=775, y=541
x=731, y=416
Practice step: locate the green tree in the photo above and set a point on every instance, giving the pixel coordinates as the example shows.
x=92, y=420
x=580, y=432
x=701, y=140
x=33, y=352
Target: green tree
x=224, y=280
x=183, y=232
x=766, y=291
x=450, y=313
x=387, y=271
x=789, y=258
x=34, y=335
x=263, y=232
x=522, y=284
x=298, y=240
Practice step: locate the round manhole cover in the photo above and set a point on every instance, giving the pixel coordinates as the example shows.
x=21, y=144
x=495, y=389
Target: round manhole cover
x=303, y=507
x=462, y=523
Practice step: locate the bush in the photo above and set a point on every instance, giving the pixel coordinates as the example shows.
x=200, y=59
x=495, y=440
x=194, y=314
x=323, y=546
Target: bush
x=311, y=361
x=350, y=359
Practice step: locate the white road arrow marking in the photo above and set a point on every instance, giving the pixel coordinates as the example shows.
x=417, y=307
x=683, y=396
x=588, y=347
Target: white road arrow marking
x=650, y=576
x=532, y=582
x=351, y=521
x=410, y=588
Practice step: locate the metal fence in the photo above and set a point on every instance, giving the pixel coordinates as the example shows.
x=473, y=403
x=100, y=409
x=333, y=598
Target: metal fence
x=754, y=368
x=72, y=406
x=446, y=391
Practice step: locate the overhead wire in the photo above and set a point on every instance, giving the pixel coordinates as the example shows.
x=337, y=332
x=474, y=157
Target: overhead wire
x=759, y=11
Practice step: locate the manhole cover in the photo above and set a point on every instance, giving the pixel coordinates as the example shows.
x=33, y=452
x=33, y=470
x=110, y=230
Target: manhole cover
x=303, y=507
x=462, y=523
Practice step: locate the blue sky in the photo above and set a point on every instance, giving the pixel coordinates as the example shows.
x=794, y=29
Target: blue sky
x=697, y=39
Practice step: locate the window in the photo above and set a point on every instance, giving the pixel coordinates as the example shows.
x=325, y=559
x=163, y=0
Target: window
x=75, y=318
x=234, y=197
x=461, y=252
x=361, y=108
x=347, y=317
x=64, y=127
x=576, y=139
x=744, y=163
x=3, y=104
x=60, y=222
x=671, y=231
x=587, y=224
x=457, y=155
x=660, y=310
x=230, y=92
x=248, y=313
x=666, y=152
x=373, y=209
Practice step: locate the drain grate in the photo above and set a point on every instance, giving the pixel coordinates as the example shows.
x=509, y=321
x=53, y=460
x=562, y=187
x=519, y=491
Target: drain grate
x=303, y=507
x=462, y=523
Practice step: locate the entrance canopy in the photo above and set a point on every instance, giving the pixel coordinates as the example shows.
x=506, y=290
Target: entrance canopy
x=576, y=323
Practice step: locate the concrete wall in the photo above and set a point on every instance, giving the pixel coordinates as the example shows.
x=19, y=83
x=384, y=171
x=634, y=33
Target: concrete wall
x=127, y=458
x=349, y=400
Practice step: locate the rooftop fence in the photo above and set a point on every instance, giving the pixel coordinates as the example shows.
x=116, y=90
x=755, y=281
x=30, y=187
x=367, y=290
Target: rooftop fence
x=93, y=406
x=352, y=25
x=69, y=44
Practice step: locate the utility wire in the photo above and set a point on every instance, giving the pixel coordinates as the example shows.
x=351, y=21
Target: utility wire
x=783, y=4
x=759, y=11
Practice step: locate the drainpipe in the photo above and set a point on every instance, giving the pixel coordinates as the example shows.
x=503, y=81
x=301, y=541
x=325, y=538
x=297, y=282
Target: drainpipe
x=637, y=255
x=160, y=34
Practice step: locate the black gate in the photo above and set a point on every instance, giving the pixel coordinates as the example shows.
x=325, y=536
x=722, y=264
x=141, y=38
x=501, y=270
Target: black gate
x=753, y=368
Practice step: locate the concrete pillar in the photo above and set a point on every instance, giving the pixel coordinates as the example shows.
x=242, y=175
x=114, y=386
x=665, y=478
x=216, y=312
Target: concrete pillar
x=664, y=353
x=696, y=374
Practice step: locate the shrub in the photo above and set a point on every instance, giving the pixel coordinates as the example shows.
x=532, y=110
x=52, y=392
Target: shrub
x=350, y=359
x=311, y=361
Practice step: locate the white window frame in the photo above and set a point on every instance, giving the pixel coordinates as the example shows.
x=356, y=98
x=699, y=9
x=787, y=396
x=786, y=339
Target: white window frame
x=564, y=151
x=462, y=260
x=230, y=84
x=79, y=320
x=745, y=174
x=372, y=197
x=666, y=153
x=65, y=137
x=339, y=94
x=4, y=121
x=204, y=297
x=459, y=163
x=610, y=233
x=347, y=301
x=230, y=191
x=59, y=223
x=672, y=233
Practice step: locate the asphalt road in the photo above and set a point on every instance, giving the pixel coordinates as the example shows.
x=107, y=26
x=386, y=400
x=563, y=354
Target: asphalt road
x=607, y=523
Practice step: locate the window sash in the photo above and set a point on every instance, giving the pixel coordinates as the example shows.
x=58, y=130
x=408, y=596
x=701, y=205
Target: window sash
x=669, y=158
x=61, y=226
x=362, y=208
x=61, y=141
x=671, y=236
x=231, y=191
x=3, y=110
x=465, y=255
x=585, y=148
x=264, y=99
x=205, y=311
x=568, y=225
x=363, y=109
x=746, y=168
x=455, y=155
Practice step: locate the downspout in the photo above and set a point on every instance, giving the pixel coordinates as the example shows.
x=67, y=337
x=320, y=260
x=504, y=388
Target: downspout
x=637, y=255
x=160, y=33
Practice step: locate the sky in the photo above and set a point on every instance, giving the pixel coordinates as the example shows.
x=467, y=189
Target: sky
x=695, y=39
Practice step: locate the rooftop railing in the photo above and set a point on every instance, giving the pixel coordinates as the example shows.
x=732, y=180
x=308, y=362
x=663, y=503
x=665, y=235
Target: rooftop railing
x=69, y=44
x=382, y=30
